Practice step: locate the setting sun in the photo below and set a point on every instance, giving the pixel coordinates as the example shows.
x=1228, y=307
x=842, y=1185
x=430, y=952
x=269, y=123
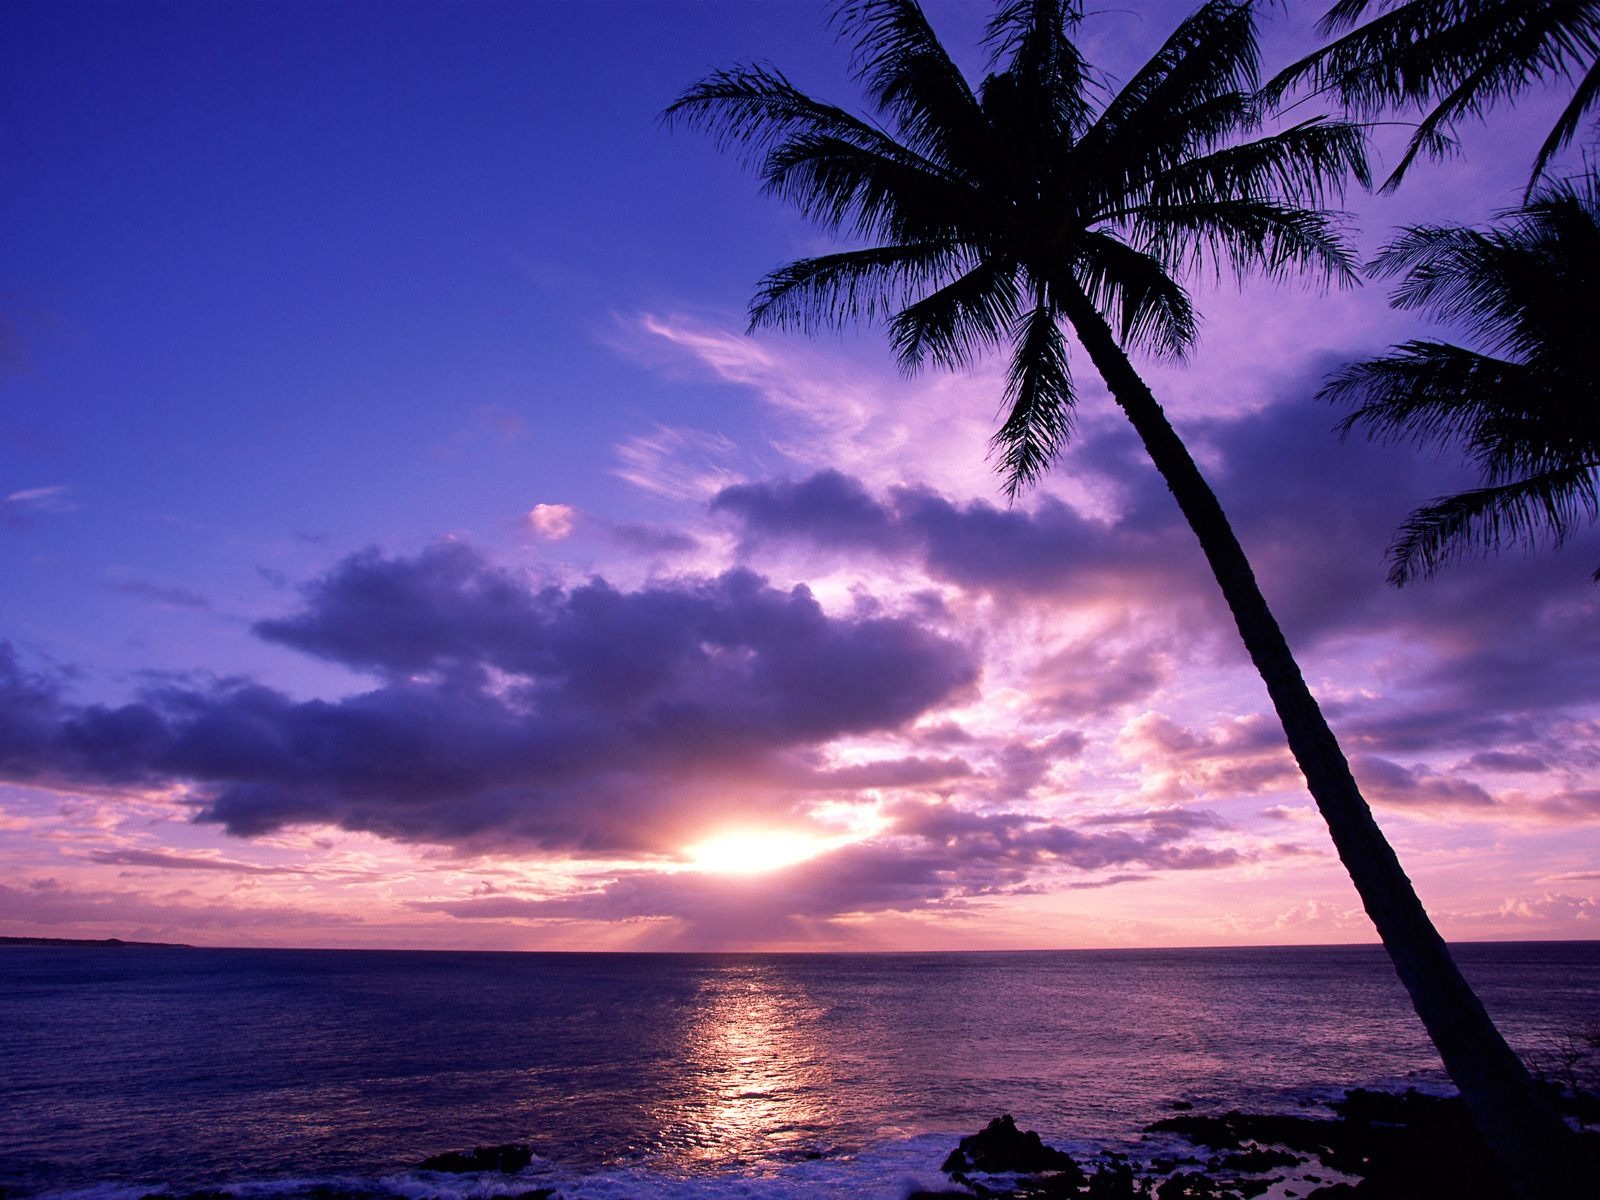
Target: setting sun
x=750, y=852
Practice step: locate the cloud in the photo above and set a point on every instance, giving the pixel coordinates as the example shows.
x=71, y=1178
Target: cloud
x=1386, y=782
x=1471, y=658
x=1581, y=804
x=21, y=509
x=1237, y=756
x=650, y=539
x=172, y=597
x=1508, y=762
x=678, y=464
x=584, y=720
x=932, y=857
x=551, y=521
x=163, y=860
x=1049, y=551
x=45, y=904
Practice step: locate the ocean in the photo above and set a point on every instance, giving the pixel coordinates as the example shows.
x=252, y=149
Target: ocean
x=271, y=1073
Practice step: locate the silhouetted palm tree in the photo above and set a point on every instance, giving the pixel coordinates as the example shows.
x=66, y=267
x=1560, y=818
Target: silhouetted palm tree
x=1459, y=56
x=1005, y=216
x=1525, y=408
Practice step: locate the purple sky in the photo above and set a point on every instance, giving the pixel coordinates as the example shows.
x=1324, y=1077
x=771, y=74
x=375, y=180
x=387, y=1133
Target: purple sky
x=405, y=546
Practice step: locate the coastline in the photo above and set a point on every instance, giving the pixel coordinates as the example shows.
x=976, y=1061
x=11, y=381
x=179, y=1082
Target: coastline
x=1368, y=1145
x=92, y=943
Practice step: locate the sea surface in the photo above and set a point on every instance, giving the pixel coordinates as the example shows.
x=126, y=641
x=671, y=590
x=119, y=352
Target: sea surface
x=269, y=1073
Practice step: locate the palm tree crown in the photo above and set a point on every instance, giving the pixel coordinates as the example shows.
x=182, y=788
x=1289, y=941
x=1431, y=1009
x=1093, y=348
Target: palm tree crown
x=1526, y=408
x=985, y=212
x=1462, y=57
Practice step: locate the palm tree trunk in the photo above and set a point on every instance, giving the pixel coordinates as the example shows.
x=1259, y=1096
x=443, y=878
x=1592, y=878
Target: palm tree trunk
x=1534, y=1146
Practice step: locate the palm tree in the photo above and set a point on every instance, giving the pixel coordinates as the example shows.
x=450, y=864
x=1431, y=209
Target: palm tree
x=1460, y=56
x=1005, y=216
x=1526, y=408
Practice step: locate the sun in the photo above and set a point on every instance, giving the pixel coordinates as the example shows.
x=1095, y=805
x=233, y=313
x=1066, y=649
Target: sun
x=750, y=852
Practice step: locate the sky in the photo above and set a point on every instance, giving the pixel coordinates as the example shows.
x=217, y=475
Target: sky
x=405, y=544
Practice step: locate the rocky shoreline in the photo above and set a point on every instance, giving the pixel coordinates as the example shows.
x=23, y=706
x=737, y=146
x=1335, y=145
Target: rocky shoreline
x=1368, y=1145
x=1374, y=1146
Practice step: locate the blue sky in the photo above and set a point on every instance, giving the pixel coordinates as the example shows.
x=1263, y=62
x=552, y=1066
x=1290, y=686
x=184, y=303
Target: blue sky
x=303, y=302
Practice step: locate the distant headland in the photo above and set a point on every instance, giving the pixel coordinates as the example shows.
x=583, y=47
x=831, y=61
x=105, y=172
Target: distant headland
x=111, y=942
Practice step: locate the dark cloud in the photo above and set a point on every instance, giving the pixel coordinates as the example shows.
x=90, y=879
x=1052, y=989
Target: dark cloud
x=585, y=719
x=1049, y=550
x=1110, y=881
x=1386, y=782
x=1508, y=762
x=651, y=539
x=828, y=509
x=174, y=597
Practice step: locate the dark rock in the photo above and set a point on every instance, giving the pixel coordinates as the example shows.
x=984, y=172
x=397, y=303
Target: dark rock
x=1256, y=1161
x=1180, y=1106
x=508, y=1160
x=1192, y=1185
x=1233, y=1130
x=1116, y=1183
x=1406, y=1146
x=1003, y=1148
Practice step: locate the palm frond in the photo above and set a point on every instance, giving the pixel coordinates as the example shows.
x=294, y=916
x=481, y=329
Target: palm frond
x=752, y=108
x=1039, y=401
x=1274, y=238
x=1148, y=309
x=1034, y=37
x=1425, y=393
x=1452, y=60
x=1308, y=161
x=909, y=76
x=953, y=324
x=1207, y=67
x=1524, y=512
x=872, y=194
x=1525, y=407
x=1584, y=98
x=833, y=289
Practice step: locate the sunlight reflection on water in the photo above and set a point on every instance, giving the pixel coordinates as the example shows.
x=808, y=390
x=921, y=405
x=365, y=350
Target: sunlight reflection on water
x=755, y=1069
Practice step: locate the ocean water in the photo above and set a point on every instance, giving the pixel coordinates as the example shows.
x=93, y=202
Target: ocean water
x=270, y=1072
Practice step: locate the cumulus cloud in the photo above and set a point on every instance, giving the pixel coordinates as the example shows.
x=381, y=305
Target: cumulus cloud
x=586, y=720
x=552, y=522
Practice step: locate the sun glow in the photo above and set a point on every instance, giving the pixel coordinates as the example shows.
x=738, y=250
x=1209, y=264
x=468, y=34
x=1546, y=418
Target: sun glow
x=750, y=852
